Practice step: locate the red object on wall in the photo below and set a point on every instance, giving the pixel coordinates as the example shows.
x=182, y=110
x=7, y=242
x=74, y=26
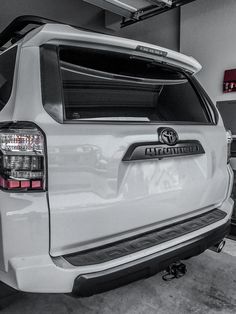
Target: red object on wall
x=229, y=81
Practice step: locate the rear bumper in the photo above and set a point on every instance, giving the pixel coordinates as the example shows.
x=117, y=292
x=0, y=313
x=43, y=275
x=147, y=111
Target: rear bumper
x=89, y=284
x=36, y=271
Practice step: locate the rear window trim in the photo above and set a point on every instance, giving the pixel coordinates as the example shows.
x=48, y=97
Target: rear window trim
x=204, y=102
x=203, y=97
x=138, y=80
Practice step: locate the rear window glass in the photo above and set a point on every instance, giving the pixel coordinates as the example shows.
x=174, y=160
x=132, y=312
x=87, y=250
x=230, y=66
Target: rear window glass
x=101, y=85
x=7, y=66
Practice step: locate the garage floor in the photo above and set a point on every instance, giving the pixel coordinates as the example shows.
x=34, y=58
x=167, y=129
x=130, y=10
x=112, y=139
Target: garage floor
x=208, y=287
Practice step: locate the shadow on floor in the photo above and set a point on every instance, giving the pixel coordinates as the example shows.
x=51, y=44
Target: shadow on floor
x=208, y=287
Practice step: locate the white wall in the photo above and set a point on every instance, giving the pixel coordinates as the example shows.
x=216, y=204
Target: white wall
x=208, y=33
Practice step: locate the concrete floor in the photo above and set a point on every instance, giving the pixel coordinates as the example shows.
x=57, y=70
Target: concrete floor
x=208, y=287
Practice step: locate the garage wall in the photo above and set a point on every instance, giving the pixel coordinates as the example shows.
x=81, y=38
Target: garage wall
x=208, y=33
x=162, y=30
x=75, y=12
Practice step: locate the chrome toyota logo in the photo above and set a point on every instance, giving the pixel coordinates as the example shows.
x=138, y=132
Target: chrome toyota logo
x=168, y=136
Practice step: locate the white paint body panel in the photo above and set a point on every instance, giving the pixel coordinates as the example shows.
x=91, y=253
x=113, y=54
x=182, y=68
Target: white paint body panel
x=41, y=273
x=94, y=197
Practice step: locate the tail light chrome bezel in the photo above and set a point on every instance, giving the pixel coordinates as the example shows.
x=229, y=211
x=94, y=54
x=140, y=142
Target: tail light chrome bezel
x=23, y=157
x=229, y=137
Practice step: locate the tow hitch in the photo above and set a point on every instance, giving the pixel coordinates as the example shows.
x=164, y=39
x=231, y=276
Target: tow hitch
x=175, y=270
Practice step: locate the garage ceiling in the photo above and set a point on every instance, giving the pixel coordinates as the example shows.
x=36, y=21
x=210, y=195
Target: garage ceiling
x=133, y=11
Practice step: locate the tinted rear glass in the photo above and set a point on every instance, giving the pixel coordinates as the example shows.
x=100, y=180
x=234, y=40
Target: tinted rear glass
x=101, y=85
x=7, y=66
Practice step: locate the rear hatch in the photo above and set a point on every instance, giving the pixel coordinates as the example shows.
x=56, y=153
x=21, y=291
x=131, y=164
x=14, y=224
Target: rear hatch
x=137, y=147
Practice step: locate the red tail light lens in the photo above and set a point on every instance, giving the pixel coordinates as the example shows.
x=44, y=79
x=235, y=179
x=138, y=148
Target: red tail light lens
x=22, y=157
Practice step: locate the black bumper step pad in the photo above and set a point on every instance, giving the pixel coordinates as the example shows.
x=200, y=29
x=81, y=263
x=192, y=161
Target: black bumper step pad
x=88, y=284
x=144, y=241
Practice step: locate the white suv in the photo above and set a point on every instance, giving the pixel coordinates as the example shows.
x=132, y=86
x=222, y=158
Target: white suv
x=114, y=162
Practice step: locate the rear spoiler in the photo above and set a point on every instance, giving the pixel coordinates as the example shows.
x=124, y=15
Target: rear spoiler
x=52, y=30
x=15, y=30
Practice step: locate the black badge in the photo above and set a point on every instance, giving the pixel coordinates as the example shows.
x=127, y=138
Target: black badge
x=168, y=136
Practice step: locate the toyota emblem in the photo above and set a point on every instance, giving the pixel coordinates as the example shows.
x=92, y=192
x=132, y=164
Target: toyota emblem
x=168, y=136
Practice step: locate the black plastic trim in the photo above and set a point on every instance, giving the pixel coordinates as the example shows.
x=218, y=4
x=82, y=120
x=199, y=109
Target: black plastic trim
x=205, y=100
x=233, y=148
x=93, y=283
x=12, y=54
x=143, y=241
x=51, y=82
x=14, y=31
x=233, y=227
x=158, y=150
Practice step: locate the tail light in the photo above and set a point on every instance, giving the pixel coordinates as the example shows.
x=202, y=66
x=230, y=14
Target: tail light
x=22, y=157
x=229, y=142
